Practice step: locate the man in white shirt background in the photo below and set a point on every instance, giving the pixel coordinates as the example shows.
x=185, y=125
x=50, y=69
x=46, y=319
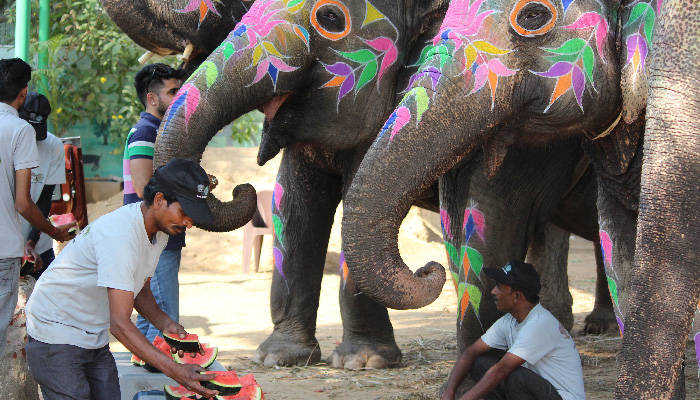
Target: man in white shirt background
x=50, y=172
x=541, y=360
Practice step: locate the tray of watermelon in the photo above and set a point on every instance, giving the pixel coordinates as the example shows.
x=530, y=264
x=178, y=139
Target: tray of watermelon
x=227, y=383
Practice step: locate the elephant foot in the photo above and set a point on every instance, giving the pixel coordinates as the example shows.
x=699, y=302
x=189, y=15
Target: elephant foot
x=284, y=351
x=355, y=355
x=600, y=321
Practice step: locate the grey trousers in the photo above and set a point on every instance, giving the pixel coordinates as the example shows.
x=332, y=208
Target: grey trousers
x=67, y=372
x=521, y=384
x=9, y=287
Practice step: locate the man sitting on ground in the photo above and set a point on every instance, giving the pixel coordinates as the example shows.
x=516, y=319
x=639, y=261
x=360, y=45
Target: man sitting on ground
x=541, y=362
x=99, y=278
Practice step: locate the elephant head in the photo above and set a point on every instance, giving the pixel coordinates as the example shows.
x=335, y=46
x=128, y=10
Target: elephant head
x=324, y=72
x=170, y=26
x=500, y=72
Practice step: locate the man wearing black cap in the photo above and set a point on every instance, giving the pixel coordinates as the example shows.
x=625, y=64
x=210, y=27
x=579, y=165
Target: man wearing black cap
x=99, y=278
x=50, y=172
x=541, y=360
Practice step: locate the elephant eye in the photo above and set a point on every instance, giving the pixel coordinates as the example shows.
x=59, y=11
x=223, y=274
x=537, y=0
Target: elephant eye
x=331, y=18
x=533, y=18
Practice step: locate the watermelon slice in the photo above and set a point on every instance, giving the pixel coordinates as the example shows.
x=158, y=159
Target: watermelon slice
x=226, y=382
x=204, y=361
x=189, y=344
x=246, y=393
x=62, y=219
x=135, y=360
x=178, y=392
x=27, y=265
x=161, y=345
x=248, y=380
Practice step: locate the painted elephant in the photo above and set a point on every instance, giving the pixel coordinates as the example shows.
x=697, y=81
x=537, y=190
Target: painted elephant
x=664, y=291
x=519, y=72
x=335, y=71
x=168, y=27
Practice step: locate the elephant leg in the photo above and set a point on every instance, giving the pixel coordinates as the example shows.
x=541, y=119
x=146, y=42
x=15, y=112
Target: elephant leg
x=548, y=252
x=368, y=336
x=303, y=206
x=602, y=318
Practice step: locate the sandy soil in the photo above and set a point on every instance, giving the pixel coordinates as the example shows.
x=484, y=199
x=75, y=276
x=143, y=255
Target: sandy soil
x=231, y=310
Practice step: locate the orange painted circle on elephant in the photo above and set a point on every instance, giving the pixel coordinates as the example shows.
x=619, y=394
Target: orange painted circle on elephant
x=324, y=32
x=525, y=32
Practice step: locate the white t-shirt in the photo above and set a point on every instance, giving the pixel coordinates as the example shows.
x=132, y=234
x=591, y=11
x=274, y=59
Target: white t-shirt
x=51, y=171
x=545, y=345
x=69, y=304
x=17, y=151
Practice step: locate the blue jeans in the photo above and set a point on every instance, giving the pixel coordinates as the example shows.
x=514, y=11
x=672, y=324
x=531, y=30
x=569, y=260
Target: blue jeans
x=67, y=372
x=166, y=289
x=9, y=287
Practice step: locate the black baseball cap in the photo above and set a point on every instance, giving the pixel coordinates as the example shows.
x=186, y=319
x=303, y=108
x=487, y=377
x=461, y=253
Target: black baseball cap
x=190, y=184
x=36, y=111
x=517, y=274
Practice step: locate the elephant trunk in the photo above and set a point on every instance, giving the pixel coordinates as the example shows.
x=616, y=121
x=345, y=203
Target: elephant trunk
x=665, y=287
x=416, y=146
x=222, y=89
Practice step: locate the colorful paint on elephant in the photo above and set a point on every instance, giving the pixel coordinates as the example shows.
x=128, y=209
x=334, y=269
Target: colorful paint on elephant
x=607, y=249
x=346, y=281
x=638, y=32
x=203, y=6
x=465, y=259
x=278, y=248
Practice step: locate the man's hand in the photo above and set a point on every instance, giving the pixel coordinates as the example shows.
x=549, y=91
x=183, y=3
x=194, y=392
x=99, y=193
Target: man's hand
x=188, y=376
x=174, y=327
x=61, y=233
x=29, y=249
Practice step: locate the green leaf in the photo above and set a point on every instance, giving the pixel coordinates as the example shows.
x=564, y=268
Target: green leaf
x=455, y=277
x=228, y=51
x=636, y=13
x=474, y=297
x=613, y=290
x=571, y=58
x=368, y=73
x=571, y=46
x=588, y=63
x=476, y=260
x=212, y=73
x=422, y=103
x=649, y=22
x=453, y=255
x=424, y=54
x=279, y=228
x=362, y=56
x=460, y=290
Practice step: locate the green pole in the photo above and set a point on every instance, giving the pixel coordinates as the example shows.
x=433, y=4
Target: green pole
x=22, y=30
x=44, y=13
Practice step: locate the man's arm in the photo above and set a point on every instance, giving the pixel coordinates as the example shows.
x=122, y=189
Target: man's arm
x=141, y=173
x=44, y=204
x=26, y=207
x=463, y=366
x=121, y=304
x=145, y=304
x=493, y=377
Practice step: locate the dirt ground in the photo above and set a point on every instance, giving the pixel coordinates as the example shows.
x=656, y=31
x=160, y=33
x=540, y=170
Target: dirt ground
x=230, y=309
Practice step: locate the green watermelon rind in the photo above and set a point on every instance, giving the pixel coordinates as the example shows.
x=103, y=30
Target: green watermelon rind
x=223, y=389
x=258, y=395
x=190, y=346
x=171, y=395
x=205, y=364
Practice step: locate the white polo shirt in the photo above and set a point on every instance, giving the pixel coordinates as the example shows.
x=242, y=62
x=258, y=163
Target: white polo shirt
x=17, y=151
x=69, y=304
x=51, y=171
x=545, y=345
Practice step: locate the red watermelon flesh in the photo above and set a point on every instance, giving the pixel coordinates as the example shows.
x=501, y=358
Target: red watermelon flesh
x=62, y=219
x=178, y=392
x=189, y=344
x=226, y=382
x=248, y=380
x=135, y=360
x=204, y=361
x=246, y=393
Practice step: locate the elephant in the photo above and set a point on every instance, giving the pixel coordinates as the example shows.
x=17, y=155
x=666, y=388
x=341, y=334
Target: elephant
x=170, y=27
x=518, y=72
x=664, y=291
x=297, y=79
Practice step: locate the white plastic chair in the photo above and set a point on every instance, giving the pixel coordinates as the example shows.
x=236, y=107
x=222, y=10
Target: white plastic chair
x=259, y=225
